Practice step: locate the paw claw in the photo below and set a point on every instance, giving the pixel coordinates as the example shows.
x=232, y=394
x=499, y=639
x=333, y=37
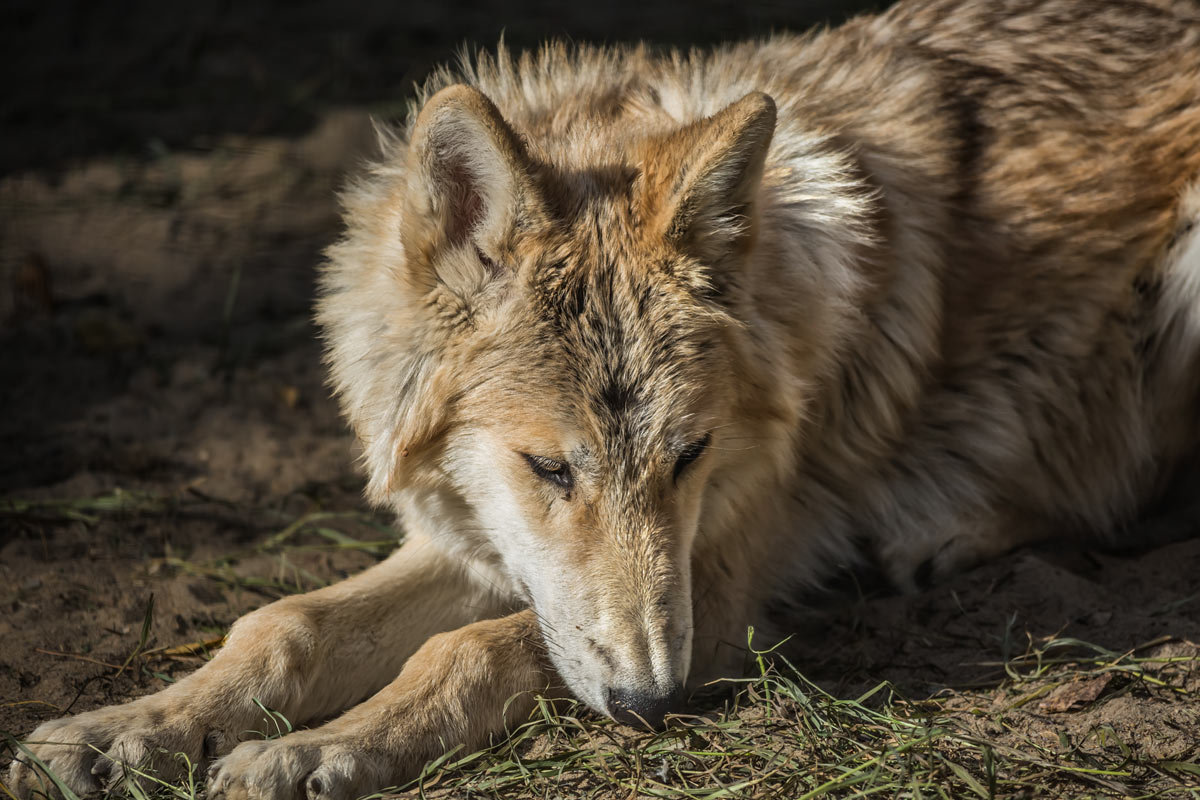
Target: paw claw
x=333, y=780
x=216, y=744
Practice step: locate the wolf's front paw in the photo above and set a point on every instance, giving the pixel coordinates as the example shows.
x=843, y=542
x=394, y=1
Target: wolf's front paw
x=307, y=765
x=96, y=750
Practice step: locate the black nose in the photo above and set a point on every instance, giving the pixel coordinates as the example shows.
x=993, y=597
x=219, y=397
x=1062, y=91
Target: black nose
x=642, y=709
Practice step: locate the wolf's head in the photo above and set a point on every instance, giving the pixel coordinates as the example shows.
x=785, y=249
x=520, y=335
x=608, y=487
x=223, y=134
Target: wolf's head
x=533, y=337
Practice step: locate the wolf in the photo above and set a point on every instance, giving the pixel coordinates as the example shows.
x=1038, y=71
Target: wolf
x=637, y=344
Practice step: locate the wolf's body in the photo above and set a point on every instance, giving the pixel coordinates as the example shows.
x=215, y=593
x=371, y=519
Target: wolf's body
x=635, y=351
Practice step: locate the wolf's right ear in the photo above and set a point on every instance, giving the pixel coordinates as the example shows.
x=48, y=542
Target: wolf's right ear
x=469, y=183
x=701, y=182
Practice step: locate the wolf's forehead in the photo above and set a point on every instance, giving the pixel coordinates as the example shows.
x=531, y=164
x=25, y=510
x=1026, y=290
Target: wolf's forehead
x=632, y=347
x=633, y=340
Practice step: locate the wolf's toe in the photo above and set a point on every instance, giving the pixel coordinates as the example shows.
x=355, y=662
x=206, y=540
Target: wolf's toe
x=301, y=766
x=65, y=758
x=328, y=783
x=262, y=770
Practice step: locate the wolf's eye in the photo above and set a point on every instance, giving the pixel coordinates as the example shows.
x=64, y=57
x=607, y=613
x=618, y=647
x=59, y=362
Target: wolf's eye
x=690, y=454
x=493, y=269
x=548, y=469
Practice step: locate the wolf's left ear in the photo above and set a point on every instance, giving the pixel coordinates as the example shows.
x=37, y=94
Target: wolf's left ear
x=701, y=181
x=469, y=180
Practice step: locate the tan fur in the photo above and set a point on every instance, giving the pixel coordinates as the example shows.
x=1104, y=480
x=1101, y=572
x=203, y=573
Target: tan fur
x=636, y=345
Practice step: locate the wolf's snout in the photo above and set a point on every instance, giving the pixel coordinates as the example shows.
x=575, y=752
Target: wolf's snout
x=641, y=709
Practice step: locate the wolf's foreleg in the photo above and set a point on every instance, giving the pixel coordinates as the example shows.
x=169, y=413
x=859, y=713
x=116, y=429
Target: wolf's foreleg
x=460, y=688
x=305, y=657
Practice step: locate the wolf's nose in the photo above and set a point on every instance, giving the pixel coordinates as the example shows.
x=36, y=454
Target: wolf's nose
x=642, y=708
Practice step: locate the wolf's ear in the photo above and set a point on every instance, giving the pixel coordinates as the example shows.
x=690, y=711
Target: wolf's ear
x=702, y=180
x=469, y=182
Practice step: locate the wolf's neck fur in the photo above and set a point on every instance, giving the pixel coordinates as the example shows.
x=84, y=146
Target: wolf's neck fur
x=861, y=272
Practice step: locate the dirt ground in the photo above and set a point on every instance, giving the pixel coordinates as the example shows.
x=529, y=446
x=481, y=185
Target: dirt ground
x=166, y=185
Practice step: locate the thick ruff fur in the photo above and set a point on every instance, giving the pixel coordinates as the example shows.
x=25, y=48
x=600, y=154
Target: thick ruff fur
x=637, y=345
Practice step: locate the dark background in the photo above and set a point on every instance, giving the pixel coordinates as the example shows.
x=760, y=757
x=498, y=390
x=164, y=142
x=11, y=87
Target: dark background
x=88, y=77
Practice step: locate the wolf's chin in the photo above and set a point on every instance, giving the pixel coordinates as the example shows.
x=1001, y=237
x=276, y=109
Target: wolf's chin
x=589, y=692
